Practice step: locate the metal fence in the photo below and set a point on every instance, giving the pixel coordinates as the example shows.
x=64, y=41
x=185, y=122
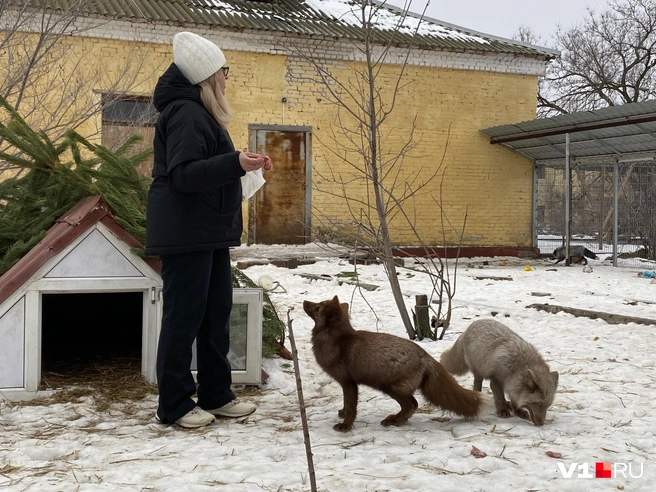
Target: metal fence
x=592, y=208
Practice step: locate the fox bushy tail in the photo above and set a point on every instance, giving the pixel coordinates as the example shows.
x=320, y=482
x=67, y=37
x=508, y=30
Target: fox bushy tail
x=589, y=254
x=453, y=359
x=441, y=389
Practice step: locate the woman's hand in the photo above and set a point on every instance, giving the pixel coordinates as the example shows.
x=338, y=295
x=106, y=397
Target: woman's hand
x=251, y=161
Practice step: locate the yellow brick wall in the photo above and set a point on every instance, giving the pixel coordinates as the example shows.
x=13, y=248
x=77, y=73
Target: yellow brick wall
x=72, y=78
x=492, y=185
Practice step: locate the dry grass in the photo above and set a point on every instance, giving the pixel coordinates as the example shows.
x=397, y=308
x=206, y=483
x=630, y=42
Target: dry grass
x=109, y=382
x=8, y=469
x=249, y=391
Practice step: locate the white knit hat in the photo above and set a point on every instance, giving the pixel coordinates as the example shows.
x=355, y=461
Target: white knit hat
x=196, y=57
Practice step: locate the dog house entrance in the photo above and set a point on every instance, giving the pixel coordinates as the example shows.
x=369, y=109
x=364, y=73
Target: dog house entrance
x=86, y=334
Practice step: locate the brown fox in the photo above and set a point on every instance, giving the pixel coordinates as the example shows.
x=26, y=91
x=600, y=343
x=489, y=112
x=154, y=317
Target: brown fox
x=493, y=351
x=391, y=364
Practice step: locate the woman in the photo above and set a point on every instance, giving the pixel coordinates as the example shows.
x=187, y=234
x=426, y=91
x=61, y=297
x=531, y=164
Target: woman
x=194, y=216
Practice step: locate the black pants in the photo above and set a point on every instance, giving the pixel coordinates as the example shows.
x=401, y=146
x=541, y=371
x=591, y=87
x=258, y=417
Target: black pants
x=197, y=303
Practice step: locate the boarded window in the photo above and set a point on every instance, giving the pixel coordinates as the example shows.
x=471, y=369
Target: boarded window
x=124, y=116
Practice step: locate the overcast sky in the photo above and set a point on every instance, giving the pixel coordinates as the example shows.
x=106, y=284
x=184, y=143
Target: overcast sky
x=503, y=17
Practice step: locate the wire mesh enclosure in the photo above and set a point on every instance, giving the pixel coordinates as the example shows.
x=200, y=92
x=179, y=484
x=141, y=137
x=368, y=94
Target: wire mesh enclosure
x=592, y=206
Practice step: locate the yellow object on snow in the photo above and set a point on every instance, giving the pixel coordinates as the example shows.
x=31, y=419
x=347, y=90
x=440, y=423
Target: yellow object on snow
x=528, y=268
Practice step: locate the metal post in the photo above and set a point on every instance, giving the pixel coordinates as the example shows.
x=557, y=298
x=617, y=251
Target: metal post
x=602, y=212
x=616, y=187
x=567, y=196
x=535, y=207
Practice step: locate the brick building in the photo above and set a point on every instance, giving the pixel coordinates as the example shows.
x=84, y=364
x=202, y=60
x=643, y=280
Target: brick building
x=456, y=82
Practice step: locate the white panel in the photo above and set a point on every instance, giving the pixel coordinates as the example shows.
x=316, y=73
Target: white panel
x=245, y=354
x=32, y=340
x=151, y=326
x=12, y=343
x=95, y=256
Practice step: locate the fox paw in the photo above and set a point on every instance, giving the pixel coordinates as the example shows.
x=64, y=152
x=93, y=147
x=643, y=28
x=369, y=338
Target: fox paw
x=391, y=420
x=506, y=411
x=342, y=427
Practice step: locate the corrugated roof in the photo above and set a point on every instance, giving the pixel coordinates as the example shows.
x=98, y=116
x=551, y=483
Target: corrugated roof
x=332, y=18
x=66, y=229
x=626, y=132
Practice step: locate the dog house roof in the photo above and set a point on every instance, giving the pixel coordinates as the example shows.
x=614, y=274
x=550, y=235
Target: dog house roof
x=66, y=229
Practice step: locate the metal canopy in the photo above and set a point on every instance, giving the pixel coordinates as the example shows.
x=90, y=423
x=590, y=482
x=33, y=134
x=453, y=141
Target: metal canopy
x=623, y=133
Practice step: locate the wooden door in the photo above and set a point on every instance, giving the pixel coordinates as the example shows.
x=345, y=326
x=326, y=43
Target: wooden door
x=278, y=212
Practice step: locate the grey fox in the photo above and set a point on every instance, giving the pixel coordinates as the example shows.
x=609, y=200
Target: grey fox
x=391, y=364
x=577, y=254
x=493, y=351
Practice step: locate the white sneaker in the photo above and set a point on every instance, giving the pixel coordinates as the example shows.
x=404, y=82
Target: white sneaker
x=197, y=417
x=234, y=409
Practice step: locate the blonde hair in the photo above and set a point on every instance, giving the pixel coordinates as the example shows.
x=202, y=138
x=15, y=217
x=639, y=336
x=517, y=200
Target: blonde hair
x=214, y=100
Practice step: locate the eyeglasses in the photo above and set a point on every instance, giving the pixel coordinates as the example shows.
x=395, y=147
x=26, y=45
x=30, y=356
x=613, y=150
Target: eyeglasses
x=225, y=71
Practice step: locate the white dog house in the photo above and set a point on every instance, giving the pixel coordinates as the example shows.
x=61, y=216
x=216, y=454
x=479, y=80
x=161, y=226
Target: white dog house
x=82, y=289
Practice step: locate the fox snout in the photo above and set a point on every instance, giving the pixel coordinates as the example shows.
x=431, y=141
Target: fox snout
x=535, y=415
x=523, y=413
x=310, y=309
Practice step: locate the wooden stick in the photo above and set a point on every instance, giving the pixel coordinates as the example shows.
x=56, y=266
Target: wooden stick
x=301, y=403
x=486, y=277
x=422, y=322
x=610, y=318
x=340, y=281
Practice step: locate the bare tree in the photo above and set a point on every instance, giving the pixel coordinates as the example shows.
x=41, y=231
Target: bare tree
x=524, y=34
x=365, y=171
x=608, y=59
x=48, y=76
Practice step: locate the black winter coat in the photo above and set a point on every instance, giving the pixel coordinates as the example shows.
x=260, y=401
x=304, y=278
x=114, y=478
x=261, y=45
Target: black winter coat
x=194, y=201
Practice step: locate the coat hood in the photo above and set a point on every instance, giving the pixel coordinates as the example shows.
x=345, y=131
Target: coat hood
x=173, y=86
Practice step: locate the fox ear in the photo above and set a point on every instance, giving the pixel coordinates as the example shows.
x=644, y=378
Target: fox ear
x=344, y=307
x=531, y=381
x=554, y=378
x=335, y=300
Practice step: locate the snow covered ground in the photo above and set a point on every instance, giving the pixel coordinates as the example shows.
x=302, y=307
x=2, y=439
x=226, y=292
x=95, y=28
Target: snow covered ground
x=603, y=411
